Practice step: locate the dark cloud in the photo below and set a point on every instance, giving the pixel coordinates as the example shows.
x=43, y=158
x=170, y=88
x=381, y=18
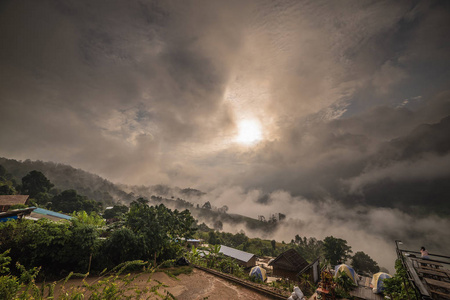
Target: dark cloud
x=151, y=92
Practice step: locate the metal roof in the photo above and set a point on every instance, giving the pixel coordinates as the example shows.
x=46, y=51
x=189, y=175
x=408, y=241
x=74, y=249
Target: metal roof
x=290, y=260
x=46, y=212
x=235, y=253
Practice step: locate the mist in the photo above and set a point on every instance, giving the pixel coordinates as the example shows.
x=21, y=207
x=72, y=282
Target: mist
x=352, y=99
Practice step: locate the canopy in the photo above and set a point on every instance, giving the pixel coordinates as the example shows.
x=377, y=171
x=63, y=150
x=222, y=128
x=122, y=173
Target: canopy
x=259, y=273
x=347, y=270
x=377, y=281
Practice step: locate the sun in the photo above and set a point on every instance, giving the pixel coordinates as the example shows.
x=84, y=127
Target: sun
x=249, y=132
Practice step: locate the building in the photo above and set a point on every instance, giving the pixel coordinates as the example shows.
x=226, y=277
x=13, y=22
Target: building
x=40, y=213
x=243, y=258
x=33, y=213
x=312, y=271
x=15, y=214
x=6, y=201
x=288, y=265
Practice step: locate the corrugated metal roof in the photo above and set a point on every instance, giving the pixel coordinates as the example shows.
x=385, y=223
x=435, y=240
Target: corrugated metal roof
x=235, y=253
x=295, y=262
x=46, y=212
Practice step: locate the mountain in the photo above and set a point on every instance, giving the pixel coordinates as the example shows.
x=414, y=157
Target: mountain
x=65, y=177
x=97, y=188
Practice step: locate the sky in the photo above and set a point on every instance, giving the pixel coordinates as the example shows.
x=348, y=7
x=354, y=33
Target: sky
x=335, y=104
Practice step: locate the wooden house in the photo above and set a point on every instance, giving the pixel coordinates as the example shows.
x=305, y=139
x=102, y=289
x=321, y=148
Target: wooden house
x=288, y=265
x=6, y=201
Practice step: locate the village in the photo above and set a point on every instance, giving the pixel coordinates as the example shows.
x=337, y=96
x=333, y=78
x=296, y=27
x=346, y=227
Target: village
x=288, y=275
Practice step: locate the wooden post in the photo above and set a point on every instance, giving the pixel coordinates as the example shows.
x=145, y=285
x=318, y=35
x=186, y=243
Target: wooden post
x=90, y=260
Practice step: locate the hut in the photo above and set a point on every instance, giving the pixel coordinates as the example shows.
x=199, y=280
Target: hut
x=288, y=264
x=243, y=258
x=6, y=201
x=312, y=271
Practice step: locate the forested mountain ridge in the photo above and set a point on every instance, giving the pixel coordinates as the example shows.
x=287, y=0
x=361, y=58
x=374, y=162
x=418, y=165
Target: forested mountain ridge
x=66, y=177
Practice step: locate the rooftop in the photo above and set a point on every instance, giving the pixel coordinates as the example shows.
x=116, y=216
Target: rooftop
x=295, y=261
x=13, y=199
x=235, y=253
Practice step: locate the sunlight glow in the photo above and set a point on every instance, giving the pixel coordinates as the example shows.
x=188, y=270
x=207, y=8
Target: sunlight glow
x=249, y=132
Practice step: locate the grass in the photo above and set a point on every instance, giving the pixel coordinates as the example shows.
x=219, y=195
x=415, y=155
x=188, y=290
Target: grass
x=179, y=270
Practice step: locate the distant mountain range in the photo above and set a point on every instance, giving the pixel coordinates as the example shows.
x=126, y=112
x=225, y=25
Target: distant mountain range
x=411, y=173
x=97, y=188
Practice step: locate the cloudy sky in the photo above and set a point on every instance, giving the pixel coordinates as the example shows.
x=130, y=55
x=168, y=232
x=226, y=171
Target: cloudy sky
x=320, y=100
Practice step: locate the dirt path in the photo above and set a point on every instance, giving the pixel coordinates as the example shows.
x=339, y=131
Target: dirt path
x=198, y=285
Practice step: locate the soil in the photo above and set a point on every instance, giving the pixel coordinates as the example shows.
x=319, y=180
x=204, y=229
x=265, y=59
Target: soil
x=198, y=285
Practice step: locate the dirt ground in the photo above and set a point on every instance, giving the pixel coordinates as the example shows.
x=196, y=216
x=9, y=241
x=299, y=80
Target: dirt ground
x=198, y=285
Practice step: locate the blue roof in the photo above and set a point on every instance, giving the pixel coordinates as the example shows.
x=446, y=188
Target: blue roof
x=42, y=211
x=235, y=253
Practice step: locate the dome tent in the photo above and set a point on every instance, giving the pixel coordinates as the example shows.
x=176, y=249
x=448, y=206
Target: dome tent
x=377, y=282
x=347, y=270
x=259, y=273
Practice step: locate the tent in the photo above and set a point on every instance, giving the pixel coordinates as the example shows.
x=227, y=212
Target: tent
x=377, y=282
x=347, y=270
x=259, y=273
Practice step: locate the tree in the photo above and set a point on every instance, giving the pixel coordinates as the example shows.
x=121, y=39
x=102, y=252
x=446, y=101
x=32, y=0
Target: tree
x=363, y=263
x=398, y=287
x=274, y=244
x=336, y=250
x=116, y=211
x=69, y=201
x=83, y=217
x=7, y=183
x=223, y=209
x=310, y=249
x=34, y=183
x=159, y=229
x=218, y=225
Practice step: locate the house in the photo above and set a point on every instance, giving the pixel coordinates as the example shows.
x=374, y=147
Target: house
x=193, y=242
x=243, y=258
x=312, y=271
x=33, y=213
x=40, y=213
x=6, y=201
x=288, y=264
x=15, y=214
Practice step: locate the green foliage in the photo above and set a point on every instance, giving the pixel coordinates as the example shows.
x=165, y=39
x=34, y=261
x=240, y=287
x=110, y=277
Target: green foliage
x=116, y=211
x=84, y=218
x=398, y=287
x=123, y=245
x=7, y=183
x=5, y=260
x=17, y=206
x=159, y=229
x=336, y=250
x=56, y=246
x=363, y=263
x=65, y=177
x=69, y=201
x=34, y=183
x=345, y=282
x=310, y=249
x=111, y=285
x=179, y=270
x=215, y=260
